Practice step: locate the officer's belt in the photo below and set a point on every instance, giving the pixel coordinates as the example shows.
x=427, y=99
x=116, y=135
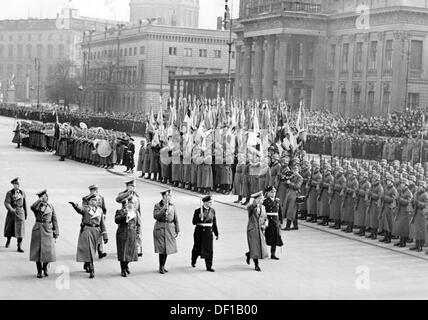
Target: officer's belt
x=91, y=225
x=44, y=221
x=207, y=225
x=272, y=213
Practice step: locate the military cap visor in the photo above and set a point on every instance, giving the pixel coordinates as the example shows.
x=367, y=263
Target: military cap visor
x=41, y=193
x=15, y=181
x=257, y=195
x=270, y=189
x=166, y=192
x=91, y=197
x=207, y=199
x=130, y=183
x=93, y=187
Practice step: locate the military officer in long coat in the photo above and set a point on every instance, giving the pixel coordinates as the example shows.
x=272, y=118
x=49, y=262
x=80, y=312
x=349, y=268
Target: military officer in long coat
x=45, y=231
x=337, y=192
x=257, y=223
x=16, y=205
x=94, y=190
x=420, y=203
x=91, y=228
x=166, y=229
x=389, y=205
x=294, y=184
x=323, y=192
x=129, y=223
x=204, y=219
x=273, y=230
x=375, y=206
x=304, y=191
x=123, y=198
x=350, y=200
x=313, y=187
x=362, y=203
x=404, y=209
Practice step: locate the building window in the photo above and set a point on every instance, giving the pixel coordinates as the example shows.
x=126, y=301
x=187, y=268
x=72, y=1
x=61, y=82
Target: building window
x=386, y=100
x=203, y=53
x=188, y=52
x=300, y=56
x=172, y=51
x=29, y=37
x=19, y=50
x=19, y=37
x=39, y=50
x=171, y=73
x=61, y=51
x=330, y=95
x=19, y=71
x=413, y=100
x=29, y=50
x=343, y=98
x=332, y=57
x=357, y=99
x=11, y=37
x=370, y=100
x=10, y=51
x=1, y=50
x=126, y=52
x=217, y=54
x=373, y=55
x=135, y=51
x=388, y=55
x=40, y=37
x=50, y=51
x=345, y=56
x=311, y=56
x=416, y=55
x=142, y=50
x=233, y=54
x=121, y=52
x=358, y=57
x=289, y=58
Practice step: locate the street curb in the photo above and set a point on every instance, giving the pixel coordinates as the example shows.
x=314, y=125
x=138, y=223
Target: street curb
x=405, y=251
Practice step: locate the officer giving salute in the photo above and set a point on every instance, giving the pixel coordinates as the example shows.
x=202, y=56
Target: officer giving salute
x=206, y=224
x=166, y=229
x=45, y=231
x=16, y=206
x=91, y=228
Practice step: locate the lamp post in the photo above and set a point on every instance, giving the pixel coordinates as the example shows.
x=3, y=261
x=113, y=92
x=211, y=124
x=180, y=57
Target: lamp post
x=228, y=19
x=86, y=66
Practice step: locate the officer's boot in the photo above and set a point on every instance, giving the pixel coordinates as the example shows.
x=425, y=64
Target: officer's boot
x=287, y=227
x=374, y=234
x=420, y=246
x=91, y=270
x=101, y=254
x=8, y=242
x=256, y=264
x=415, y=248
x=384, y=238
x=350, y=227
x=247, y=201
x=272, y=253
x=371, y=233
x=19, y=245
x=338, y=224
x=239, y=199
x=324, y=221
x=123, y=269
x=45, y=269
x=403, y=241
x=295, y=224
x=388, y=240
x=39, y=270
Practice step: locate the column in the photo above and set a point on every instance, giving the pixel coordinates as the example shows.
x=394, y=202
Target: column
x=171, y=88
x=223, y=85
x=320, y=51
x=258, y=68
x=282, y=66
x=238, y=63
x=246, y=81
x=269, y=66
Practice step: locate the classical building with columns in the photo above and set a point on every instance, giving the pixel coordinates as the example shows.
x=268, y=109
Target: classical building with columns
x=350, y=56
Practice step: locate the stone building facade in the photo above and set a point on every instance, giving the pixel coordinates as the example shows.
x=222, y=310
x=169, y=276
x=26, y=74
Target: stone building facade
x=181, y=13
x=350, y=56
x=130, y=67
x=50, y=41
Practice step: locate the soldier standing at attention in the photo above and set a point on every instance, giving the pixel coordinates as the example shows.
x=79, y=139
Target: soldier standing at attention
x=15, y=203
x=45, y=230
x=273, y=230
x=206, y=224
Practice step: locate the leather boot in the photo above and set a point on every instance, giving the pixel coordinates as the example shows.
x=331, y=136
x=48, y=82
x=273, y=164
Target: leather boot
x=7, y=243
x=287, y=227
x=45, y=269
x=403, y=241
x=19, y=245
x=256, y=264
x=239, y=199
x=91, y=270
x=39, y=270
x=388, y=235
x=122, y=269
x=247, y=201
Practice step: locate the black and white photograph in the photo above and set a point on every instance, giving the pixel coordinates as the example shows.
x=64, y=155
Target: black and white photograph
x=220, y=152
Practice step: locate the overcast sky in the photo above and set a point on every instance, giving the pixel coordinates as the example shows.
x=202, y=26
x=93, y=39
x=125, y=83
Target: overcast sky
x=21, y=9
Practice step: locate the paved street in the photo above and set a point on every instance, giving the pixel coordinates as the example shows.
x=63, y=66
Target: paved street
x=313, y=264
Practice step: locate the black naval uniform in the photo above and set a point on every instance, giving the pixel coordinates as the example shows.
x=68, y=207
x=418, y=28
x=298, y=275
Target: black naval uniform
x=273, y=231
x=203, y=236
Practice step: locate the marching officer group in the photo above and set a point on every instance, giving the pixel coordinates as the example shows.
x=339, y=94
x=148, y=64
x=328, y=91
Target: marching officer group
x=263, y=228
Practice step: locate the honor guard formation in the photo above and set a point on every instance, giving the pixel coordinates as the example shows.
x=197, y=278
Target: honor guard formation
x=365, y=176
